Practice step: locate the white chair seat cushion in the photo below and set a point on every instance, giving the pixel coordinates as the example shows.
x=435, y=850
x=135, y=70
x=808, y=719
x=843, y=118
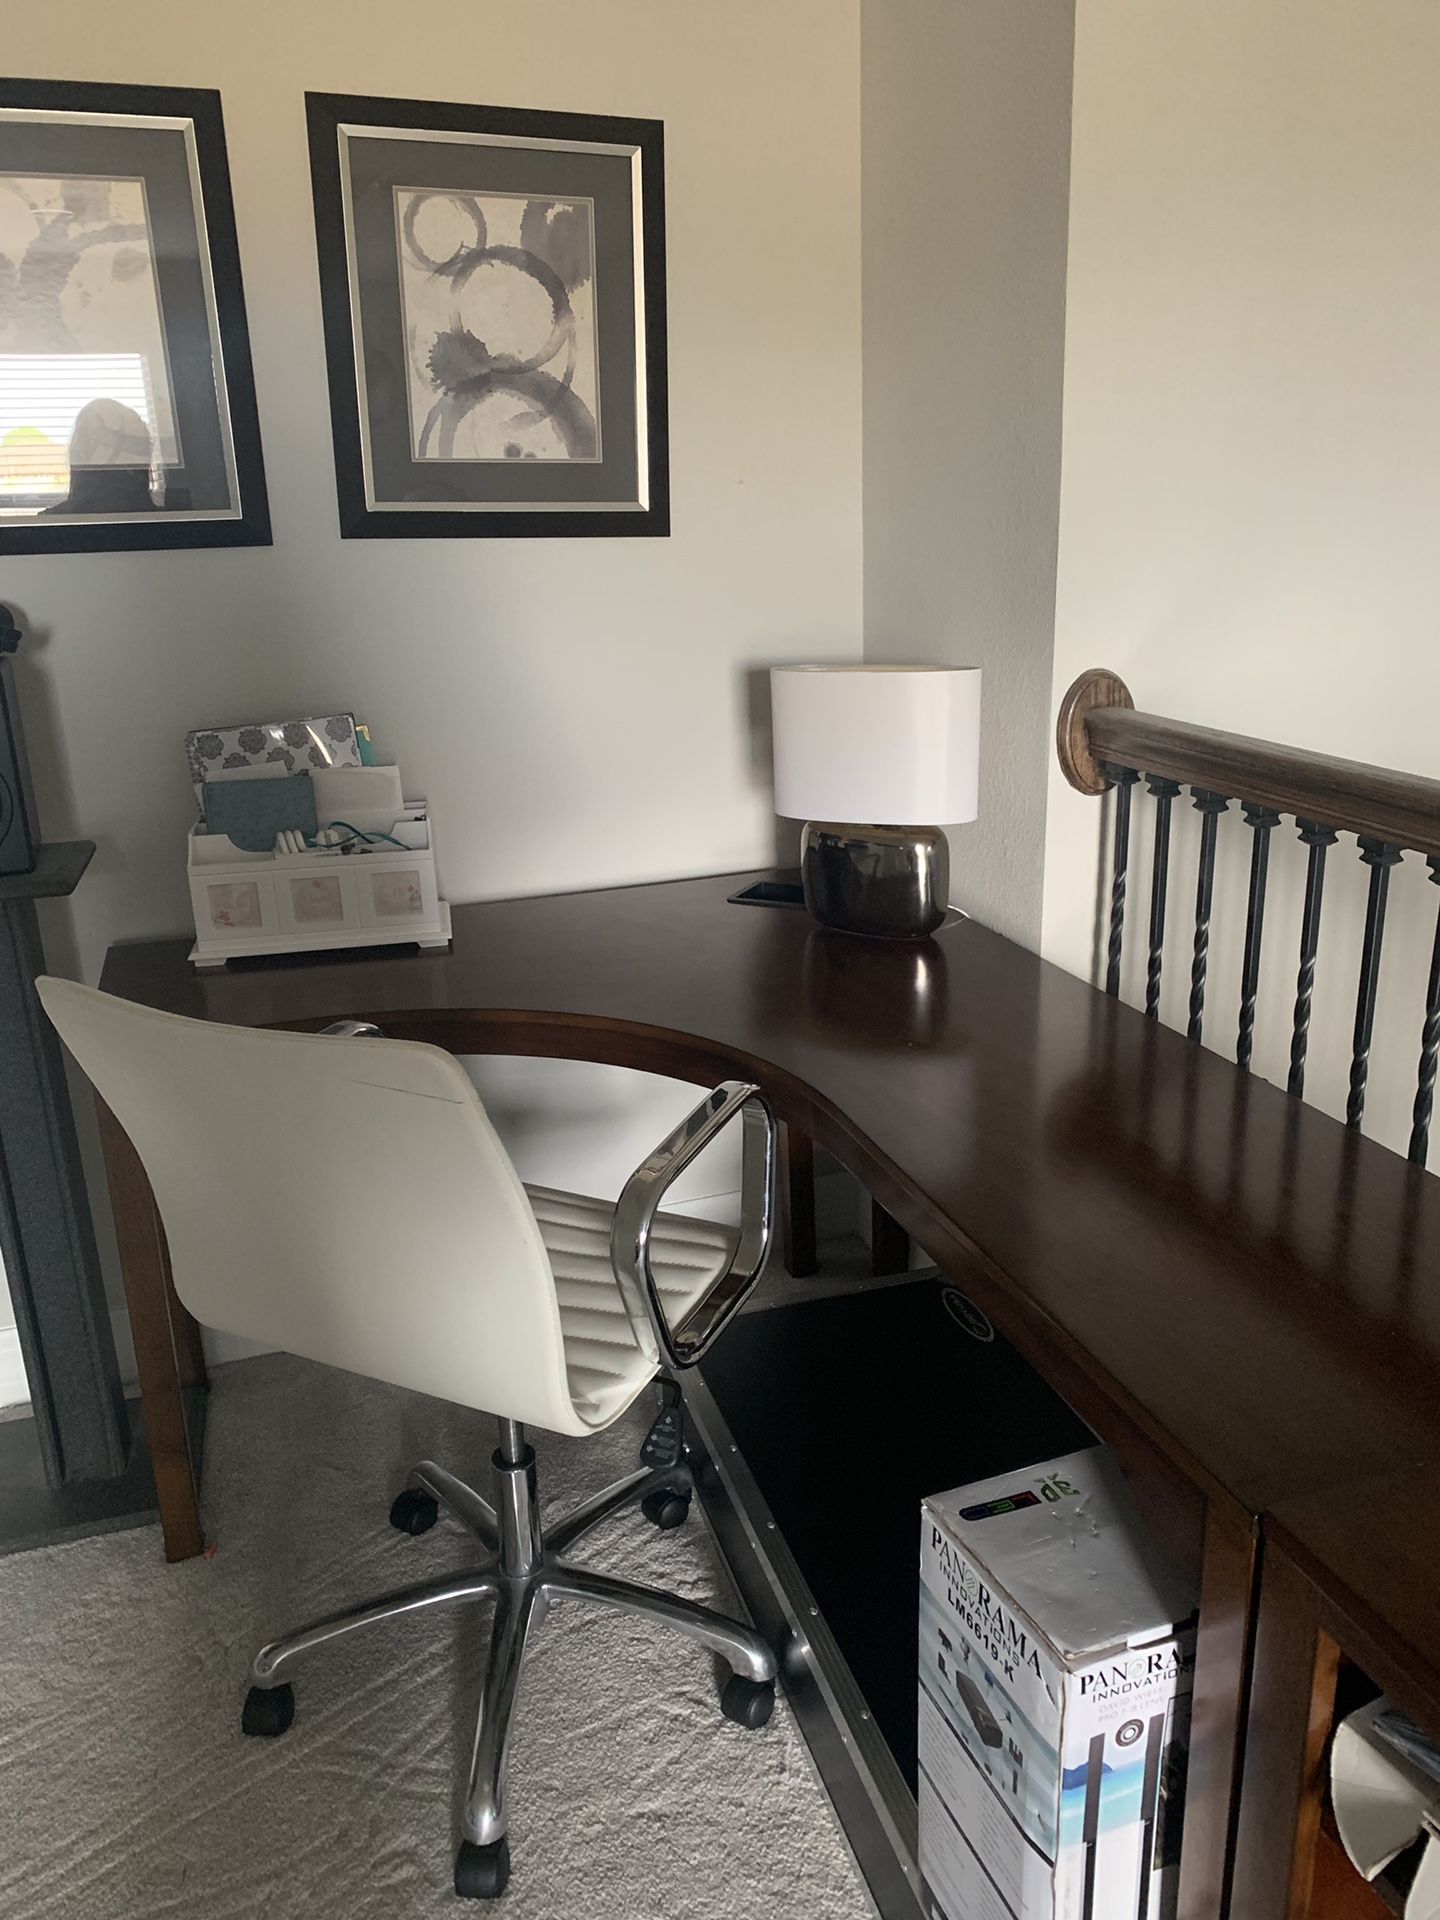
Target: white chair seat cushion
x=605, y=1367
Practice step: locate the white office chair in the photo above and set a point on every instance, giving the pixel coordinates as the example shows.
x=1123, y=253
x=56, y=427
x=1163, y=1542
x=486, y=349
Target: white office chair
x=344, y=1197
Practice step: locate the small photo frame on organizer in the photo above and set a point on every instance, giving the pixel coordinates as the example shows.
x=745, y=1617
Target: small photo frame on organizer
x=127, y=402
x=493, y=288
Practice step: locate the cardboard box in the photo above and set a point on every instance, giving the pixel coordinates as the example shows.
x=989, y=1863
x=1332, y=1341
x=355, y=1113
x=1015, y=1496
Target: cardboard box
x=1057, y=1650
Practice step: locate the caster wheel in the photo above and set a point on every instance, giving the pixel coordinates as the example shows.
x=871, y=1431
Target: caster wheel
x=665, y=1508
x=482, y=1873
x=414, y=1511
x=268, y=1711
x=749, y=1703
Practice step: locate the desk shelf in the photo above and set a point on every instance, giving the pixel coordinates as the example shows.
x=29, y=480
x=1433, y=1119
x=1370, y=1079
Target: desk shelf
x=845, y=1411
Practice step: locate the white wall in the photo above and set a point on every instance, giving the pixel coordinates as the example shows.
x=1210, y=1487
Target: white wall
x=965, y=123
x=1250, y=488
x=578, y=711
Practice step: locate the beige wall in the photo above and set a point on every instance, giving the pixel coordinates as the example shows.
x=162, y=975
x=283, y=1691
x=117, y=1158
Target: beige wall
x=578, y=711
x=965, y=124
x=1250, y=487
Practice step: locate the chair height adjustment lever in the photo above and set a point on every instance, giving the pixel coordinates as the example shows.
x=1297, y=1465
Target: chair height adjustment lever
x=665, y=1442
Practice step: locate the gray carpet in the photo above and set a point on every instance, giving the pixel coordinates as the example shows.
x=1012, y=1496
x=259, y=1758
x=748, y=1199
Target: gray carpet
x=128, y=1790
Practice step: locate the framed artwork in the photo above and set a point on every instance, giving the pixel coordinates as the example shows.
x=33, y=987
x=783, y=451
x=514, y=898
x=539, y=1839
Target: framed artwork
x=493, y=286
x=127, y=403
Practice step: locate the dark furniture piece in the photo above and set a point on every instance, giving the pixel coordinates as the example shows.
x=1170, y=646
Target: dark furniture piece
x=79, y=1429
x=1225, y=1284
x=79, y=1463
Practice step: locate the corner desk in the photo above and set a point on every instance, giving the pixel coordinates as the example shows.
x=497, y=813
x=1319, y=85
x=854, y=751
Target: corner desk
x=1236, y=1293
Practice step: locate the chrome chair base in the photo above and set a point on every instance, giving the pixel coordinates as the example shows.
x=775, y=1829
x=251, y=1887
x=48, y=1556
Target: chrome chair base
x=524, y=1575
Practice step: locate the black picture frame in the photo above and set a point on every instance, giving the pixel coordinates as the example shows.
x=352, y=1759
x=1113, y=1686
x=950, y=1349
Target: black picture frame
x=358, y=237
x=192, y=290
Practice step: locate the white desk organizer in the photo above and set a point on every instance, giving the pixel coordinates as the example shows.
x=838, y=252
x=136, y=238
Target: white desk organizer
x=316, y=900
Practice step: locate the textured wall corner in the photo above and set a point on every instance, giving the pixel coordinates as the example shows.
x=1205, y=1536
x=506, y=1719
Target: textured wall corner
x=965, y=157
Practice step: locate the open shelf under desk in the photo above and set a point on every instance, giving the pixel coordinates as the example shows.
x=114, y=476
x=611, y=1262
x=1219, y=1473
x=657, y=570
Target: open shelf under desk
x=827, y=1421
x=849, y=1411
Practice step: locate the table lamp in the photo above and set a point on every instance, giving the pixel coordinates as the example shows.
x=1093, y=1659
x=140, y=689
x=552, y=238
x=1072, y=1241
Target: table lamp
x=895, y=750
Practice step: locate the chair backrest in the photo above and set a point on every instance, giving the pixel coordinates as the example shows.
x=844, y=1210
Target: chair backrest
x=345, y=1199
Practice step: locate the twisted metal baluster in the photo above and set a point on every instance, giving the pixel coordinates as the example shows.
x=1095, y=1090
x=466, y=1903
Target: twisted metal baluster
x=1163, y=791
x=1263, y=821
x=1380, y=857
x=1209, y=806
x=1124, y=779
x=1319, y=840
x=1429, y=1044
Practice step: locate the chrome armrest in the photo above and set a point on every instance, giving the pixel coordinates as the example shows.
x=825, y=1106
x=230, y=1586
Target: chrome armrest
x=350, y=1029
x=682, y=1346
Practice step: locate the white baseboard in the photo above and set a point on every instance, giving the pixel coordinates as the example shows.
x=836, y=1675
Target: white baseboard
x=15, y=1389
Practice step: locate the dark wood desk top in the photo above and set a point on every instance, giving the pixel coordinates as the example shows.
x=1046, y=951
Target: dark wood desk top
x=1210, y=1269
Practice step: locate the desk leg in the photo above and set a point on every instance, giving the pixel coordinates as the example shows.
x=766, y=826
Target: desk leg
x=889, y=1242
x=1217, y=1723
x=1292, y=1708
x=167, y=1356
x=797, y=1202
x=184, y=1328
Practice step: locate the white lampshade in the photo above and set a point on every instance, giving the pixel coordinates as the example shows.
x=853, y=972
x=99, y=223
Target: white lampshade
x=891, y=746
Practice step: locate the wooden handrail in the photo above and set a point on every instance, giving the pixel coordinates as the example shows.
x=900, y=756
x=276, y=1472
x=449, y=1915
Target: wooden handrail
x=1098, y=728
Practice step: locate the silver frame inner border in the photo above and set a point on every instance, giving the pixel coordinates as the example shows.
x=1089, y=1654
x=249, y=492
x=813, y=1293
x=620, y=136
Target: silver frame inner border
x=185, y=127
x=351, y=130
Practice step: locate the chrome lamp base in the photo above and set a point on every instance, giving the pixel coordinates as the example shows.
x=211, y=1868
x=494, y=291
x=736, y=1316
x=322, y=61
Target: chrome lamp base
x=890, y=882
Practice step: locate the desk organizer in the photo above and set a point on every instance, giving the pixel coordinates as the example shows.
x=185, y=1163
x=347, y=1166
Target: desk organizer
x=255, y=903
